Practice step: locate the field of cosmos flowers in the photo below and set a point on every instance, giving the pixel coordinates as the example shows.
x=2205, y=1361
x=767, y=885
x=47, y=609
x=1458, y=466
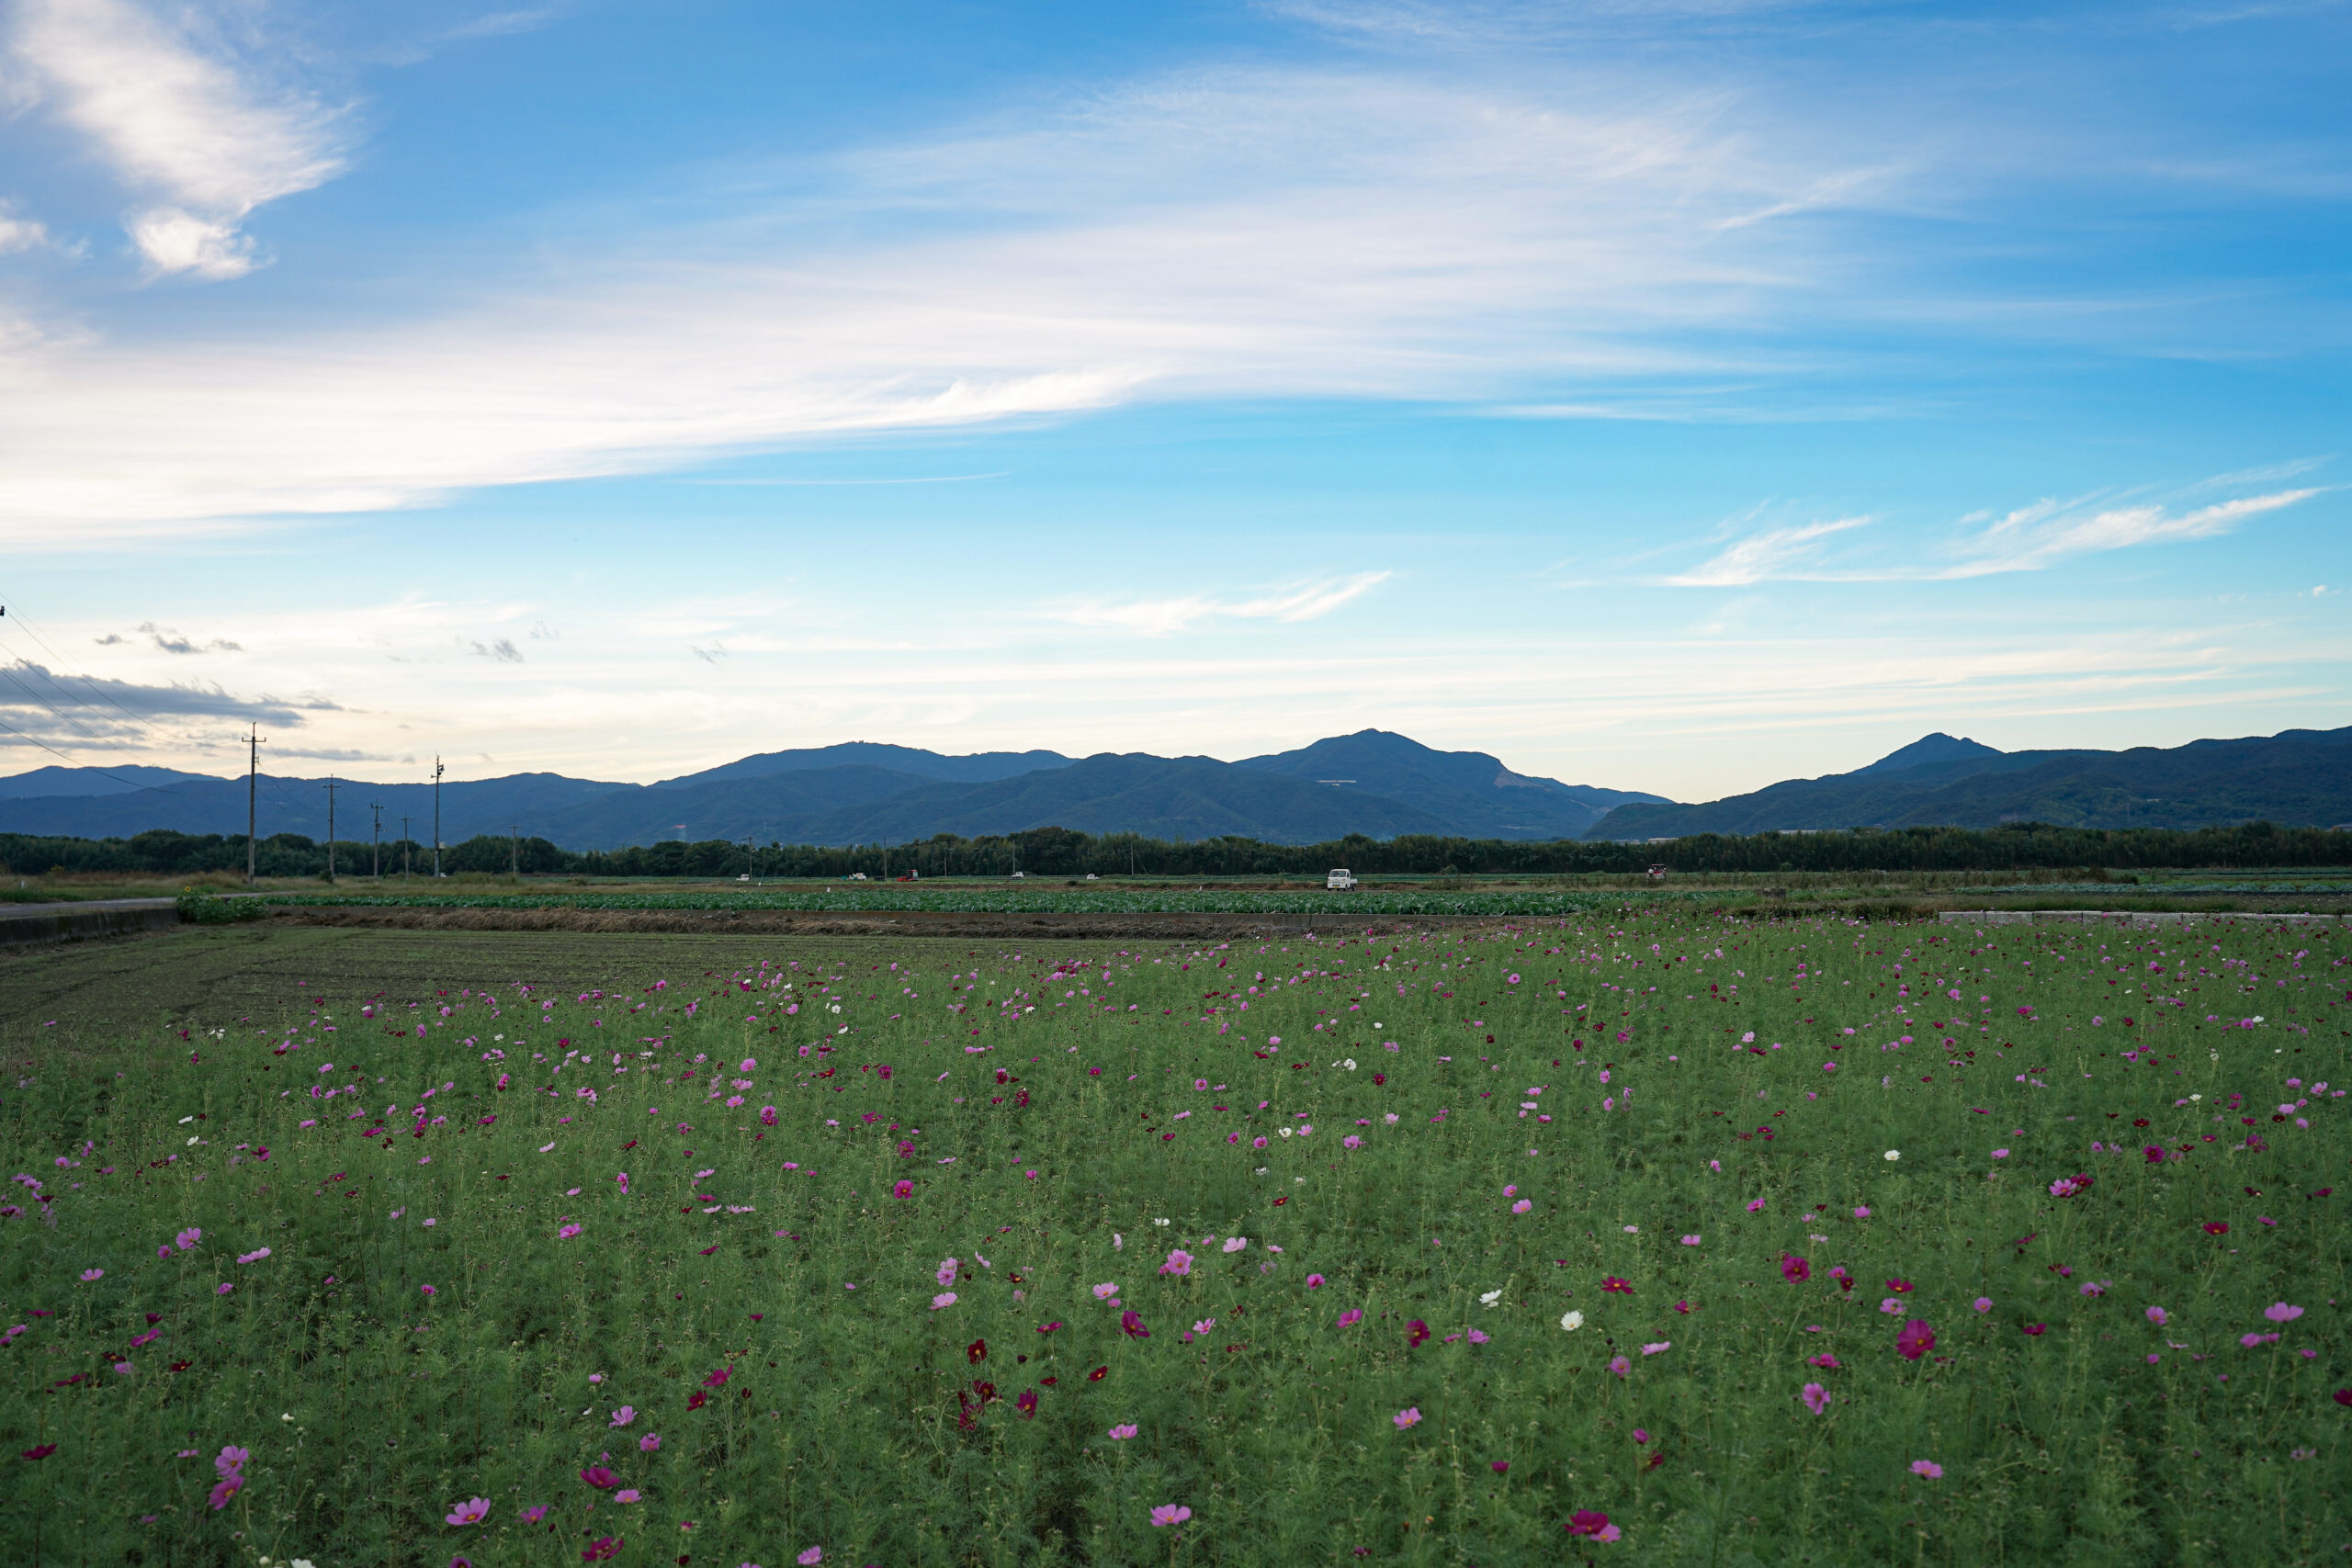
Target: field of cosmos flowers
x=1664, y=1239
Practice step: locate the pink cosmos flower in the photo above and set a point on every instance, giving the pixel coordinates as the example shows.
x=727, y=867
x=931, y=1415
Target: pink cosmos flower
x=1350, y=1318
x=649, y=1443
x=1409, y=1417
x=1795, y=1269
x=1351, y=1142
x=596, y=1476
x=1690, y=1241
x=224, y=1288
x=1915, y=1340
x=2156, y=1316
x=627, y=1495
x=1892, y=1306
x=810, y=1558
x=535, y=1513
x=903, y=1190
x=1585, y=1521
x=625, y=1415
x=1105, y=1291
x=1205, y=1325
x=1180, y=1263
x=225, y=1488
x=1927, y=1468
x=1659, y=1348
x=1815, y=1397
x=1621, y=1366
x=2282, y=1313
x=470, y=1512
x=1236, y=1243
x=229, y=1459
x=188, y=1239
x=941, y=1301
x=567, y=1233
x=90, y=1274
x=1122, y=1433
x=1756, y=1205
x=1169, y=1514
x=1315, y=1281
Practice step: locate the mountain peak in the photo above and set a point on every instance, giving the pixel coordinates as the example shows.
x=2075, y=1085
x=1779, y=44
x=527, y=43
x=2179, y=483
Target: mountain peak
x=1935, y=748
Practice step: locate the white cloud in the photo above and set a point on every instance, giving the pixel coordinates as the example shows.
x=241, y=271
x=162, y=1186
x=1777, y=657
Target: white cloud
x=1163, y=617
x=20, y=233
x=1758, y=558
x=1252, y=234
x=2028, y=538
x=178, y=119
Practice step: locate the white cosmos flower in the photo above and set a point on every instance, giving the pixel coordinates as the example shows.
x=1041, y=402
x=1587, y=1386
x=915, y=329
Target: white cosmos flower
x=1572, y=1321
x=1490, y=1298
x=1892, y=1155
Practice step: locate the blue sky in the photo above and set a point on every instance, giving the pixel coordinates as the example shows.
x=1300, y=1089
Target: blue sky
x=1665, y=396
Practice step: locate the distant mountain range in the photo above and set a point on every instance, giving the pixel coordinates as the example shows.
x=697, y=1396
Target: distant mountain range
x=2297, y=778
x=1373, y=783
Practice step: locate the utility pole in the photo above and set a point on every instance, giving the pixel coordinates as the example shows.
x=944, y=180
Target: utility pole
x=437, y=816
x=515, y=851
x=332, y=786
x=750, y=865
x=376, y=843
x=252, y=767
x=405, y=849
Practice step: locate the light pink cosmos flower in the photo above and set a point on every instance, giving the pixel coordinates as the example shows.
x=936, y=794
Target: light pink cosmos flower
x=1180, y=1263
x=1621, y=1366
x=1236, y=1243
x=2156, y=1316
x=90, y=1274
x=1927, y=1468
x=625, y=1415
x=1659, y=1348
x=649, y=1443
x=2282, y=1313
x=1690, y=1241
x=947, y=1271
x=567, y=1233
x=945, y=1298
x=1409, y=1417
x=1982, y=1303
x=627, y=1495
x=1169, y=1514
x=188, y=1238
x=1522, y=1207
x=809, y=1558
x=470, y=1512
x=1105, y=1291
x=224, y=1288
x=1122, y=1433
x=1815, y=1397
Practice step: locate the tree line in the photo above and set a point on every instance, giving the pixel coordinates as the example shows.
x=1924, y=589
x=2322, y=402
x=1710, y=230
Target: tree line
x=1060, y=852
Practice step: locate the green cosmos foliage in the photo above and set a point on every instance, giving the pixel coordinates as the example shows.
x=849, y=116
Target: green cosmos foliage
x=860, y=1415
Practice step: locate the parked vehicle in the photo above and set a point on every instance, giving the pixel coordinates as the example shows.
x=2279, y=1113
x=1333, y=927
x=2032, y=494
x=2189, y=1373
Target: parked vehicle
x=1340, y=880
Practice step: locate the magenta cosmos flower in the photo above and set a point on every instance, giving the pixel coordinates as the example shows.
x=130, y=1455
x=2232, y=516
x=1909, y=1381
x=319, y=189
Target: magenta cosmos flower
x=1815, y=1397
x=1350, y=1318
x=470, y=1512
x=1916, y=1340
x=1585, y=1521
x=1795, y=1269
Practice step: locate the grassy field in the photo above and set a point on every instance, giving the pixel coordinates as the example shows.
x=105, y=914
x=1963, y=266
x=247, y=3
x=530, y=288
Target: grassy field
x=1666, y=1239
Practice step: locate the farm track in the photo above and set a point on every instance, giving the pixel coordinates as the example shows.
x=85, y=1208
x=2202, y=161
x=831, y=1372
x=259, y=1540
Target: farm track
x=992, y=925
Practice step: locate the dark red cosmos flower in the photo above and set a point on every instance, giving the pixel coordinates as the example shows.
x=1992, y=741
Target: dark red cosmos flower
x=1795, y=1269
x=45, y=1449
x=1097, y=1375
x=182, y=1366
x=983, y=1391
x=1279, y=1201
x=1585, y=1521
x=1901, y=1287
x=976, y=1351
x=708, y=1250
x=1611, y=1282
x=2156, y=1154
x=600, y=1548
x=1417, y=1334
x=1027, y=1404
x=696, y=1400
x=2343, y=1396
x=719, y=1378
x=1049, y=1382
x=1049, y=1328
x=2036, y=1328
x=2217, y=1228
x=1845, y=1281
x=1656, y=1458
x=1131, y=1325
x=596, y=1476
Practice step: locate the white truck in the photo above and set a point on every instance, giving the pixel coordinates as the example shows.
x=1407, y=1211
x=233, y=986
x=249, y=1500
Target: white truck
x=1340, y=881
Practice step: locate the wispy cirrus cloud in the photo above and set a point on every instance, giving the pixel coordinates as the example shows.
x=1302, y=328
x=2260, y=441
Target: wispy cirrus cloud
x=1165, y=617
x=2028, y=538
x=192, y=131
